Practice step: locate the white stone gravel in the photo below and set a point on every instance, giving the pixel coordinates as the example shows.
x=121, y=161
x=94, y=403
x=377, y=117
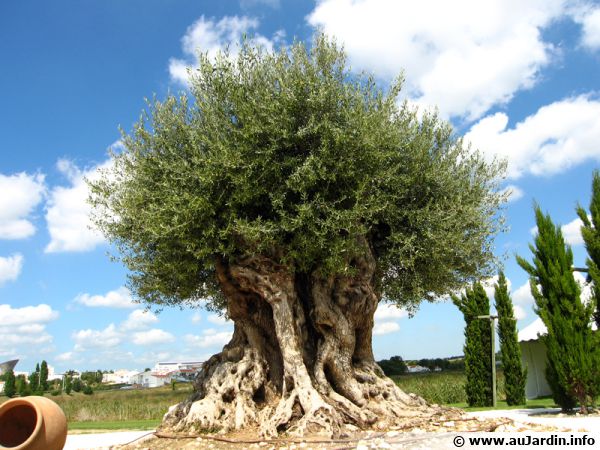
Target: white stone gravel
x=102, y=441
x=540, y=416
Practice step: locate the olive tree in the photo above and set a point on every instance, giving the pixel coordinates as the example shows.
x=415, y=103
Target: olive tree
x=293, y=196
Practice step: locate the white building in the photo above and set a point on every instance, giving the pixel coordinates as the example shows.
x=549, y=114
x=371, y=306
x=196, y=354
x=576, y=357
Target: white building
x=121, y=376
x=417, y=369
x=533, y=355
x=181, y=368
x=150, y=379
x=52, y=375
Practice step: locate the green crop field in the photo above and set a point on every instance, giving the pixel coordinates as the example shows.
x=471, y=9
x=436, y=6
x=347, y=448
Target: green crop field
x=448, y=388
x=113, y=409
x=436, y=387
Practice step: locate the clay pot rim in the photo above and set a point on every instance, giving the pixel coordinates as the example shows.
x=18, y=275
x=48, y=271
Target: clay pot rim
x=38, y=422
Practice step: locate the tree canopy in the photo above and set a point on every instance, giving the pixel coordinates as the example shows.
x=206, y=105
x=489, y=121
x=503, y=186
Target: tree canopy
x=292, y=155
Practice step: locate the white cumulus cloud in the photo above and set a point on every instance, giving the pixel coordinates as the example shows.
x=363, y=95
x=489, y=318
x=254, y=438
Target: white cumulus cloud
x=196, y=318
x=210, y=338
x=92, y=339
x=520, y=312
x=209, y=36
x=466, y=57
x=385, y=328
x=522, y=295
x=514, y=193
x=218, y=320
x=138, y=320
x=19, y=195
x=152, y=337
x=386, y=311
x=24, y=328
x=65, y=357
x=557, y=137
x=119, y=298
x=10, y=267
x=589, y=18
x=26, y=315
x=68, y=212
x=572, y=232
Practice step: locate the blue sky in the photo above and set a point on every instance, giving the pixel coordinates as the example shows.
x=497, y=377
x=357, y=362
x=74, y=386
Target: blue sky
x=520, y=80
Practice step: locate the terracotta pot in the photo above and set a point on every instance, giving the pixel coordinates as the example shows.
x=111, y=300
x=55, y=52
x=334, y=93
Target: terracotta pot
x=32, y=423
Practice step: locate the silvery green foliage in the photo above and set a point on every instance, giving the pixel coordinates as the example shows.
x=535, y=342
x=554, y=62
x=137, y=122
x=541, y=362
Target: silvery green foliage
x=291, y=154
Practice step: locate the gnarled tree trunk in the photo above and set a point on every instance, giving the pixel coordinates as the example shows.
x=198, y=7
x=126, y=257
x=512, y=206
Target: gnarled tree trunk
x=300, y=359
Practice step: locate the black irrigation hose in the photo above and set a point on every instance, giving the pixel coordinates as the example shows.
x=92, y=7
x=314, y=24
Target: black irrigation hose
x=138, y=438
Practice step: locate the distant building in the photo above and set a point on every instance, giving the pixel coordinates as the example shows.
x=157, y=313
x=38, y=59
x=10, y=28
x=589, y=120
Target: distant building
x=121, y=376
x=150, y=379
x=417, y=369
x=8, y=365
x=165, y=372
x=52, y=375
x=182, y=368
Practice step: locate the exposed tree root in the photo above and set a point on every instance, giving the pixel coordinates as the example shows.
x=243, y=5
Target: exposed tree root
x=300, y=360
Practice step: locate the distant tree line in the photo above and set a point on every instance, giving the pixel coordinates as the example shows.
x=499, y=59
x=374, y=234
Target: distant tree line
x=397, y=366
x=37, y=383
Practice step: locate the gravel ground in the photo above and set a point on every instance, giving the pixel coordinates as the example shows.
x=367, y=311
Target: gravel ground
x=436, y=436
x=546, y=416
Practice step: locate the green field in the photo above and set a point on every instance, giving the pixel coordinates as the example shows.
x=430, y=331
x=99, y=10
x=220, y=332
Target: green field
x=119, y=409
x=448, y=388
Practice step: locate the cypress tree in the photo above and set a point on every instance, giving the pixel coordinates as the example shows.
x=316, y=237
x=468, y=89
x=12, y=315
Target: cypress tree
x=68, y=384
x=23, y=388
x=590, y=231
x=44, y=376
x=572, y=361
x=10, y=388
x=515, y=375
x=478, y=344
x=34, y=379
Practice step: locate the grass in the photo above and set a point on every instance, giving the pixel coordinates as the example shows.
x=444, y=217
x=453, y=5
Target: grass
x=121, y=405
x=543, y=402
x=135, y=409
x=448, y=388
x=441, y=388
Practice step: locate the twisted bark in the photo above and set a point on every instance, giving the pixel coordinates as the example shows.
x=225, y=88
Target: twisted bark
x=300, y=360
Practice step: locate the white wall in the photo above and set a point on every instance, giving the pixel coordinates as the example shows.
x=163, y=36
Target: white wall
x=533, y=354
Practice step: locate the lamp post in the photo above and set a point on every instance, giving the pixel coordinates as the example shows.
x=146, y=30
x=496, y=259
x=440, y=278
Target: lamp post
x=492, y=320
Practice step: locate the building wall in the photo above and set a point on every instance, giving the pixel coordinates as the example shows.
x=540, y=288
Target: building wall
x=533, y=354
